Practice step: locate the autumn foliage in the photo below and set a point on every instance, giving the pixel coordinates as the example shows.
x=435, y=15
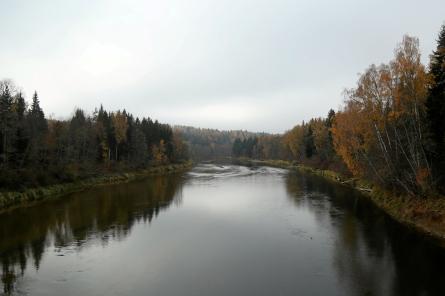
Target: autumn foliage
x=390, y=129
x=381, y=132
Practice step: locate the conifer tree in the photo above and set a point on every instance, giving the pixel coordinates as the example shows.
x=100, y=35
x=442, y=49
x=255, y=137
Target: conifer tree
x=21, y=132
x=6, y=123
x=436, y=103
x=37, y=126
x=36, y=115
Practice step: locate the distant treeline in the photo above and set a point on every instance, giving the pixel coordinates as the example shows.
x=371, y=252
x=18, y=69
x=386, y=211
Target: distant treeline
x=37, y=151
x=260, y=147
x=391, y=129
x=208, y=144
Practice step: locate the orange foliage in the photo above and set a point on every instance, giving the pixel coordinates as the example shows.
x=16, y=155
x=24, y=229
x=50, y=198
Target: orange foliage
x=380, y=130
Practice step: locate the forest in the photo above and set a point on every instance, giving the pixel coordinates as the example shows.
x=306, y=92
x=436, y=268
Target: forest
x=211, y=144
x=37, y=151
x=390, y=130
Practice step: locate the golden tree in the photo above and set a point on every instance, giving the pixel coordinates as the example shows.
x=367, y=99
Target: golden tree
x=120, y=126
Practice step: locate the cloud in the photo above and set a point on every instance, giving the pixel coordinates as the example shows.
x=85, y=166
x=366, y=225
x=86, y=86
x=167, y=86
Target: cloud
x=251, y=64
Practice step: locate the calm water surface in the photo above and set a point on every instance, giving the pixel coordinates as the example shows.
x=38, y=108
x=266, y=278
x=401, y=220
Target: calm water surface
x=217, y=230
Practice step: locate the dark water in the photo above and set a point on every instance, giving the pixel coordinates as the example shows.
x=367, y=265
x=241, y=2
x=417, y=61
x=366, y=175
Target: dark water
x=215, y=231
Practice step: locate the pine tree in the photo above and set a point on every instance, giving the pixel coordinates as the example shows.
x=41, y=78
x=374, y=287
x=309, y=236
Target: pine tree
x=330, y=118
x=37, y=116
x=38, y=127
x=78, y=130
x=436, y=102
x=6, y=124
x=21, y=140
x=103, y=138
x=138, y=148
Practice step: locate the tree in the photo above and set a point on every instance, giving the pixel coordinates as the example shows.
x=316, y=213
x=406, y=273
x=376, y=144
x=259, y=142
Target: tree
x=436, y=105
x=237, y=147
x=180, y=148
x=102, y=128
x=35, y=151
x=138, y=151
x=21, y=130
x=120, y=125
x=294, y=141
x=159, y=156
x=380, y=133
x=38, y=127
x=309, y=146
x=6, y=123
x=321, y=138
x=81, y=137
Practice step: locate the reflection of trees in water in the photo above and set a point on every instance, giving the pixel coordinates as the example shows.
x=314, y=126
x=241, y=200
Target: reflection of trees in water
x=373, y=255
x=103, y=214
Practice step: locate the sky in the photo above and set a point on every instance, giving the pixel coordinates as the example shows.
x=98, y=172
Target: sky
x=227, y=64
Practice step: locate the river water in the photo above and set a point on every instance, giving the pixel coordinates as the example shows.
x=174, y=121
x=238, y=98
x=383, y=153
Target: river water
x=216, y=230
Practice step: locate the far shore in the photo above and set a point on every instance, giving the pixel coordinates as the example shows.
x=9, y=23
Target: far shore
x=31, y=196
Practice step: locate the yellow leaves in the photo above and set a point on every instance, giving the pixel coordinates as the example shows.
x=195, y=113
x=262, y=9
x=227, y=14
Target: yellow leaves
x=321, y=136
x=120, y=125
x=410, y=78
x=294, y=139
x=380, y=129
x=350, y=131
x=159, y=153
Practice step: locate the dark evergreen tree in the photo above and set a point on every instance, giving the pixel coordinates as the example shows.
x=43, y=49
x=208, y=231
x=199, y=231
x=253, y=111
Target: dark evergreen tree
x=436, y=105
x=138, y=150
x=330, y=118
x=6, y=124
x=21, y=140
x=37, y=127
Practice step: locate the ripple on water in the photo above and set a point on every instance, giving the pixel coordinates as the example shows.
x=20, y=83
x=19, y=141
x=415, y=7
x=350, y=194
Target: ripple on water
x=213, y=171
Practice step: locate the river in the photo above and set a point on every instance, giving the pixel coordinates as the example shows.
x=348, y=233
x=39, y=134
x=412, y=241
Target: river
x=216, y=230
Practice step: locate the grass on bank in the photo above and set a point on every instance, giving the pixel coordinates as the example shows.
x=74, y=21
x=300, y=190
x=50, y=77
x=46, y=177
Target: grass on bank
x=13, y=199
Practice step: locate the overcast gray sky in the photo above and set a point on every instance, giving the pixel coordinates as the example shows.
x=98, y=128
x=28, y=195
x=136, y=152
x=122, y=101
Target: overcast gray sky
x=241, y=64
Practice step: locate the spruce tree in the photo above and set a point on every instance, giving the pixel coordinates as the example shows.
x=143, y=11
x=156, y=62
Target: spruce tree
x=37, y=127
x=436, y=103
x=6, y=124
x=21, y=140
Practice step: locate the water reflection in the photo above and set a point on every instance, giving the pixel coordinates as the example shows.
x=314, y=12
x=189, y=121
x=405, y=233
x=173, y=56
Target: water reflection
x=72, y=223
x=238, y=231
x=372, y=254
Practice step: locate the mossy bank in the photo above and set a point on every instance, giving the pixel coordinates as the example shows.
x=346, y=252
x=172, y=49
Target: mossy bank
x=10, y=200
x=426, y=215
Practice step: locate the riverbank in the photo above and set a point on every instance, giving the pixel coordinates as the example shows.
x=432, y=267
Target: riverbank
x=10, y=200
x=426, y=215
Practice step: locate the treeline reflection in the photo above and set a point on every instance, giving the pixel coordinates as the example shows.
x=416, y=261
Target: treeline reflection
x=94, y=216
x=373, y=255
